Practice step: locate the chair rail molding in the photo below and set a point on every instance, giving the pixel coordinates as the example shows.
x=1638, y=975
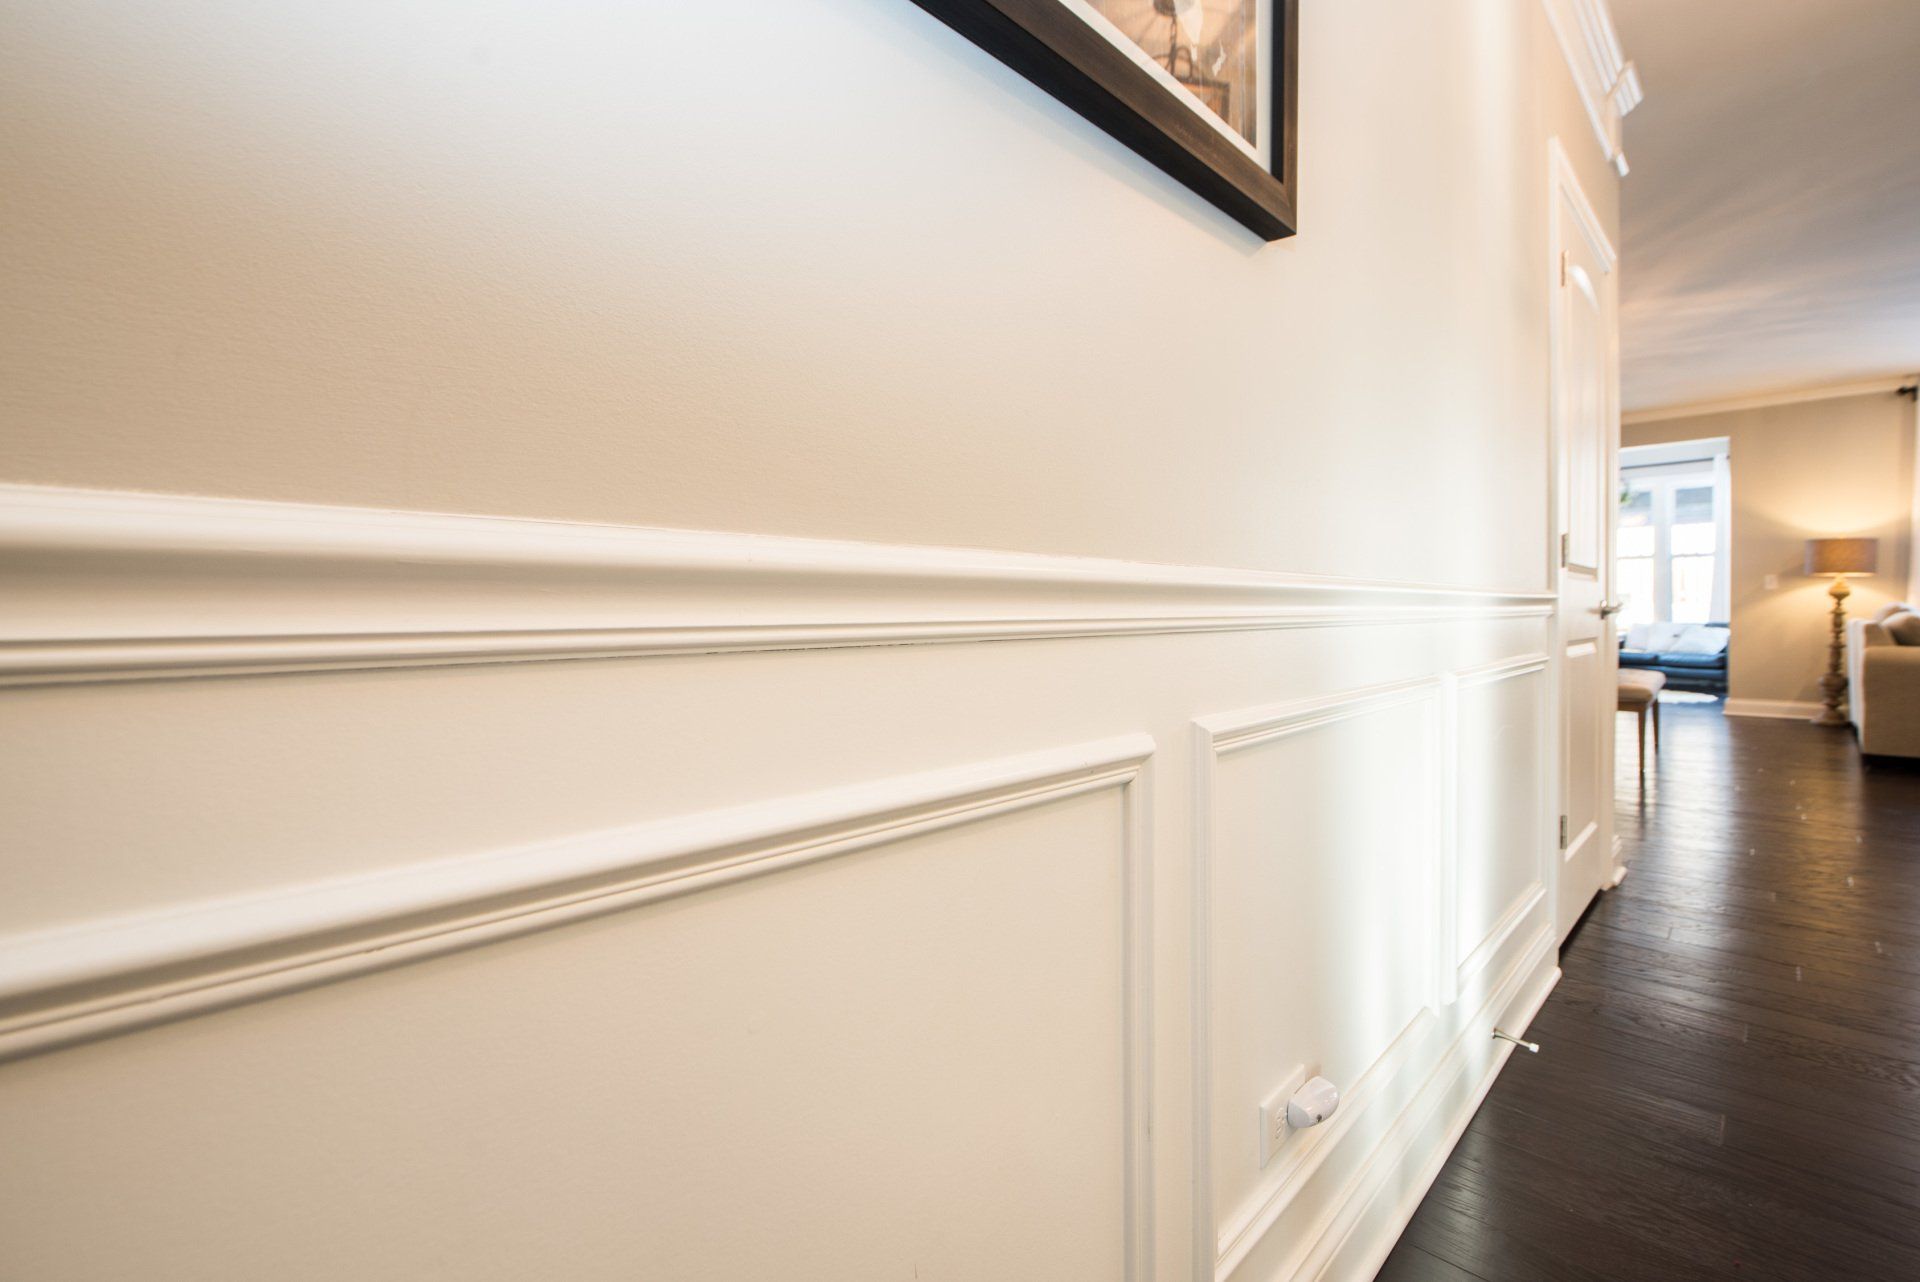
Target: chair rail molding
x=111, y=586
x=1608, y=84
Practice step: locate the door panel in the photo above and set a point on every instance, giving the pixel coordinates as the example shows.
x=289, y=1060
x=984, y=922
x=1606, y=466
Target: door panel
x=1585, y=425
x=1586, y=431
x=1585, y=681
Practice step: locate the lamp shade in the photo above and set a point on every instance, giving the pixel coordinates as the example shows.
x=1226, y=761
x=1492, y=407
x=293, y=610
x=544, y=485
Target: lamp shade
x=1842, y=556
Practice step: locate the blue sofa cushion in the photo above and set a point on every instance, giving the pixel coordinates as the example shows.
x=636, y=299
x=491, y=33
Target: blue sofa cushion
x=1693, y=660
x=1638, y=658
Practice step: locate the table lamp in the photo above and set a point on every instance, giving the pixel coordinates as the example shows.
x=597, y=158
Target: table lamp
x=1843, y=559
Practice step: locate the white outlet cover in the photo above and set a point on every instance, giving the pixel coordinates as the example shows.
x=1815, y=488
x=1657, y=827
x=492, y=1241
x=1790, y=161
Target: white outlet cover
x=1273, y=1113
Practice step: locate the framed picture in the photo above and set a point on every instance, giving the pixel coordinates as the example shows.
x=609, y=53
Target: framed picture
x=1202, y=88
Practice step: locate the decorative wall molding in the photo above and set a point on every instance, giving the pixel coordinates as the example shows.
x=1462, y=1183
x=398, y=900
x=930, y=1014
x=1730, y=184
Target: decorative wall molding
x=1609, y=86
x=1446, y=924
x=1458, y=971
x=1794, y=396
x=113, y=586
x=1517, y=913
x=1783, y=709
x=63, y=986
x=1230, y=732
x=1519, y=665
x=1218, y=1252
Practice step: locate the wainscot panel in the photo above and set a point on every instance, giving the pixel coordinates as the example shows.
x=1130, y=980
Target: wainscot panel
x=858, y=1022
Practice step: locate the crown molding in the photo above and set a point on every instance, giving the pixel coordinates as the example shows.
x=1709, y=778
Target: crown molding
x=1793, y=396
x=1608, y=84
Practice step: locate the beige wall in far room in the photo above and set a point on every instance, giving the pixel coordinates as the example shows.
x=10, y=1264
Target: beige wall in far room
x=1815, y=469
x=1913, y=568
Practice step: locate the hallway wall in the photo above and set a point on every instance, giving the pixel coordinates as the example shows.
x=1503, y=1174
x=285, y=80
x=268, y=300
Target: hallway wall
x=840, y=909
x=821, y=268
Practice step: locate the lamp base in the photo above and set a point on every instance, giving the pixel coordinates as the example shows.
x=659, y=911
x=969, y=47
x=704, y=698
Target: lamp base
x=1833, y=686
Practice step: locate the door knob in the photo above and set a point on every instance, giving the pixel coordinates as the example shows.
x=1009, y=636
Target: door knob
x=1607, y=609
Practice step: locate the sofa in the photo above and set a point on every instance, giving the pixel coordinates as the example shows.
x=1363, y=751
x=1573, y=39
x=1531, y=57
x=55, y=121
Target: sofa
x=1883, y=681
x=1692, y=656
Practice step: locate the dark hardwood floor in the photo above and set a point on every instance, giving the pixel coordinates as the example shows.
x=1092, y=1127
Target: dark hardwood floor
x=1729, y=1079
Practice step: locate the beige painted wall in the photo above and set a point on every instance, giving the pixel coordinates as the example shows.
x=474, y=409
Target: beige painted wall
x=1815, y=469
x=461, y=258
x=793, y=267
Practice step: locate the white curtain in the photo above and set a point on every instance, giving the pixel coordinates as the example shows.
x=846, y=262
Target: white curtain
x=1722, y=538
x=1913, y=541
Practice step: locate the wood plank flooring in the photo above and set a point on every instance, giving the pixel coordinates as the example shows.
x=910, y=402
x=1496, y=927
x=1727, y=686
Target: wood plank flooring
x=1729, y=1080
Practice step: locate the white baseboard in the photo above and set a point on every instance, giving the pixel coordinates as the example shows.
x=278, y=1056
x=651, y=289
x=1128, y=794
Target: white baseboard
x=1379, y=1207
x=1355, y=1231
x=1783, y=709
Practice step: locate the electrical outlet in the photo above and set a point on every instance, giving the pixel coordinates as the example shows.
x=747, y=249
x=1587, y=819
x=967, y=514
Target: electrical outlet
x=1273, y=1114
x=1773, y=582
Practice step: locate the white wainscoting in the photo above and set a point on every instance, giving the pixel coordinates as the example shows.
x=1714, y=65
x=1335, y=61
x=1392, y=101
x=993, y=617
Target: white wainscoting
x=1468, y=781
x=1016, y=852
x=1498, y=783
x=1394, y=831
x=62, y=986
x=1354, y=1241
x=108, y=586
x=1384, y=833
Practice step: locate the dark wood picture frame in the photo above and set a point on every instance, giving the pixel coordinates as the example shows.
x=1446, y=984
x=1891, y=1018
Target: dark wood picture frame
x=1052, y=46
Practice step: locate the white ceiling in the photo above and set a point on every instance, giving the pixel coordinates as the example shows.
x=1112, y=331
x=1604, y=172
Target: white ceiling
x=1771, y=224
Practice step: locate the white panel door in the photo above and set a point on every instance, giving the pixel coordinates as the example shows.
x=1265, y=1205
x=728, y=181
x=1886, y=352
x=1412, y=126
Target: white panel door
x=1585, y=433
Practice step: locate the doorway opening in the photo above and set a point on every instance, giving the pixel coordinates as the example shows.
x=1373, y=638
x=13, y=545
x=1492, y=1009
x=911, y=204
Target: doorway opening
x=1671, y=564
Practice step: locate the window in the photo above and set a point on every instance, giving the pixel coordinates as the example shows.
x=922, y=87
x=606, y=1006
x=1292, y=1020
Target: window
x=1690, y=553
x=1634, y=573
x=1667, y=549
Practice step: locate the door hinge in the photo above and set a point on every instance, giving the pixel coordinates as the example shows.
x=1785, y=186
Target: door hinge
x=1563, y=267
x=1563, y=832
x=1565, y=541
